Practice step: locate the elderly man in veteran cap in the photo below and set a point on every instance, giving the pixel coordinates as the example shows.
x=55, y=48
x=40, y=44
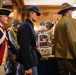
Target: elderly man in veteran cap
x=64, y=46
x=27, y=42
x=4, y=13
x=49, y=30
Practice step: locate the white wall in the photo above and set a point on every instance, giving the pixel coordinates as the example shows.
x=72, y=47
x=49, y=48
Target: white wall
x=47, y=2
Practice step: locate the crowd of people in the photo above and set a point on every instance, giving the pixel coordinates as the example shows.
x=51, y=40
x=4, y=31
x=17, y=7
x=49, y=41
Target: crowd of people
x=18, y=44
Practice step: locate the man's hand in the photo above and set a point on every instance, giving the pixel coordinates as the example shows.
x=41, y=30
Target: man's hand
x=28, y=72
x=44, y=58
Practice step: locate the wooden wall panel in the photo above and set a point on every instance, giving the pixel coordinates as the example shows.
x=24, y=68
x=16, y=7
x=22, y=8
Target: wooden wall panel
x=47, y=13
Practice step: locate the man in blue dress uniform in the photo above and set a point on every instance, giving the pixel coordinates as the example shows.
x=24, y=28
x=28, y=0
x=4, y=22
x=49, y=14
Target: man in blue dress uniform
x=27, y=42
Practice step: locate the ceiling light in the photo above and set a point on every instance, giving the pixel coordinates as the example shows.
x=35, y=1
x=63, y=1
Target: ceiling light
x=4, y=2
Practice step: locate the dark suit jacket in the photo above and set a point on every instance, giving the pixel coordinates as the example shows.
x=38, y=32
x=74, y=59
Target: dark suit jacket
x=27, y=42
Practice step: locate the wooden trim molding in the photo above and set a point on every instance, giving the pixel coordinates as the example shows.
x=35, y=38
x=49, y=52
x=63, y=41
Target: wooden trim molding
x=18, y=3
x=7, y=6
x=45, y=6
